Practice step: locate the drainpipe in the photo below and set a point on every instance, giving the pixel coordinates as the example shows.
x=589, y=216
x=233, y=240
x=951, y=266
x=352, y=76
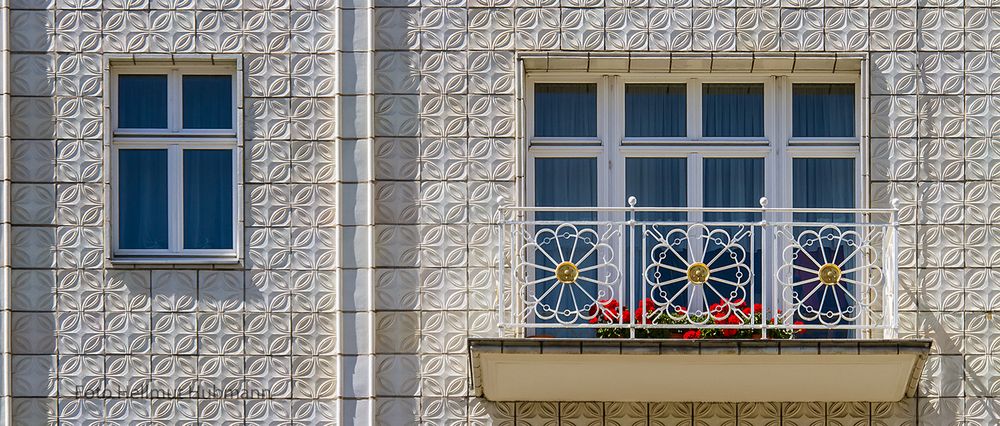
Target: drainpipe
x=5, y=362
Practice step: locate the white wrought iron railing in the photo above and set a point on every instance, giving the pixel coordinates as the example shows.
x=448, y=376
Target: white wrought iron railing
x=656, y=272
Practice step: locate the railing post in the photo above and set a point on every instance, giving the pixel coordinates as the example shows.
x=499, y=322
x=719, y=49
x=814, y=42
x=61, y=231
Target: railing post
x=630, y=279
x=764, y=258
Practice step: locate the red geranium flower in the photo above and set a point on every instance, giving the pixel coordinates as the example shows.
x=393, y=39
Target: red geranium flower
x=646, y=306
x=692, y=334
x=608, y=311
x=729, y=332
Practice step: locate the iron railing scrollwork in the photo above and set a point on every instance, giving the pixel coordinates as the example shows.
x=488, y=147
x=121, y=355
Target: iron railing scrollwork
x=825, y=271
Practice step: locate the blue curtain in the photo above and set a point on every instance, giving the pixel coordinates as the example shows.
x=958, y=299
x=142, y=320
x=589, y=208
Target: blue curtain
x=735, y=182
x=142, y=101
x=208, y=102
x=823, y=110
x=208, y=199
x=566, y=110
x=565, y=182
x=656, y=182
x=142, y=199
x=733, y=110
x=824, y=183
x=655, y=110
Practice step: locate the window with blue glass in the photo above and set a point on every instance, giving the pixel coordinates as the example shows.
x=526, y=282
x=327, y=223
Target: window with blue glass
x=566, y=110
x=142, y=101
x=565, y=182
x=143, y=197
x=826, y=183
x=732, y=110
x=698, y=153
x=733, y=183
x=208, y=199
x=657, y=182
x=208, y=101
x=822, y=110
x=175, y=163
x=655, y=110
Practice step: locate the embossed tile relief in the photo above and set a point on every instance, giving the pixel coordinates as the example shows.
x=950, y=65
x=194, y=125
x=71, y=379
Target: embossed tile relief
x=441, y=105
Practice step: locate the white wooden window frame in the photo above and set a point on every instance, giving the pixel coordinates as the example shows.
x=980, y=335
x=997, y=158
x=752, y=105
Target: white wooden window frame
x=611, y=147
x=175, y=140
x=778, y=148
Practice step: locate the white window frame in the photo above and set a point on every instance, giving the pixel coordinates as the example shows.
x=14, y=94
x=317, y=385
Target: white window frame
x=777, y=147
x=175, y=140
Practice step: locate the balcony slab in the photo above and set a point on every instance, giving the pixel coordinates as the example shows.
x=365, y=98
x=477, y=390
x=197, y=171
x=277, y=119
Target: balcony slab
x=512, y=369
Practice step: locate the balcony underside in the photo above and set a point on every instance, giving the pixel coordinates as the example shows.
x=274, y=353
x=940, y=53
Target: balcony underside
x=696, y=370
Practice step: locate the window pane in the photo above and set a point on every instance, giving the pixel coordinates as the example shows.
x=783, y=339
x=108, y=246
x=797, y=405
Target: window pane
x=142, y=101
x=657, y=182
x=655, y=110
x=566, y=110
x=564, y=182
x=142, y=199
x=208, y=102
x=823, y=183
x=733, y=182
x=733, y=110
x=208, y=199
x=823, y=110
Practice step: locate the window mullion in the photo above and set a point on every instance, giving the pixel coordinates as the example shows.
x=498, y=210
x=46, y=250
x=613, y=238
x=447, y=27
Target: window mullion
x=696, y=186
x=174, y=101
x=175, y=184
x=694, y=117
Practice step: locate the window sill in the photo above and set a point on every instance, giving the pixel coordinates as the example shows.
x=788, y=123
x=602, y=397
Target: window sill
x=176, y=260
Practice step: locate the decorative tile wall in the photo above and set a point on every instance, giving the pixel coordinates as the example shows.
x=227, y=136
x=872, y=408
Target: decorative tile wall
x=94, y=342
x=443, y=117
x=444, y=122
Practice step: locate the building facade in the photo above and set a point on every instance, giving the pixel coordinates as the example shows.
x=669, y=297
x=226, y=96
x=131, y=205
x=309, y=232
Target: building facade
x=285, y=211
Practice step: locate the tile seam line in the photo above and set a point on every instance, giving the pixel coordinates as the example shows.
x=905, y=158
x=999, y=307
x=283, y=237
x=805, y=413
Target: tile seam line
x=5, y=245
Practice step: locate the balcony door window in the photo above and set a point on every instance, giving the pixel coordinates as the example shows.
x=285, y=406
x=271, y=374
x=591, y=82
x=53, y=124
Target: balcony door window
x=656, y=182
x=569, y=183
x=693, y=141
x=825, y=183
x=733, y=182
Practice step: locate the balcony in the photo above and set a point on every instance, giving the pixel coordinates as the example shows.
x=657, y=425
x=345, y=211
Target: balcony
x=792, y=304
